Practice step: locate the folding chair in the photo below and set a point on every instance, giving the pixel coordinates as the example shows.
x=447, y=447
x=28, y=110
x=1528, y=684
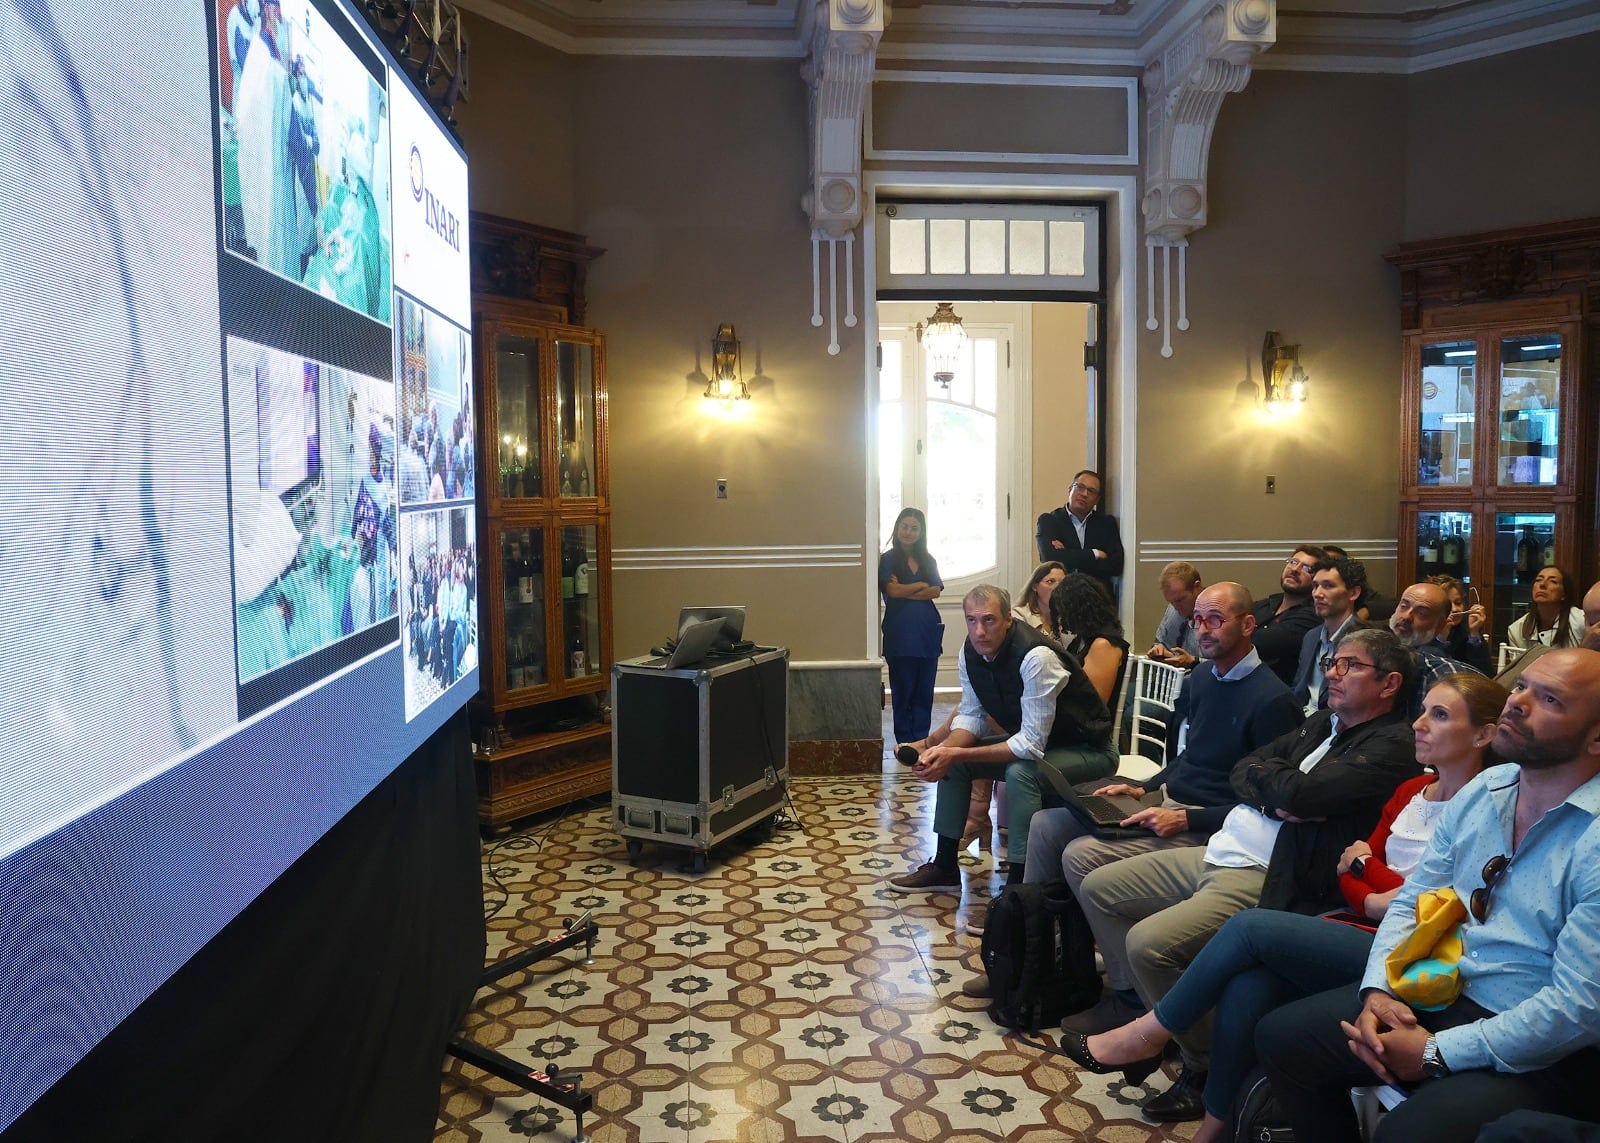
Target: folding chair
x=1155, y=693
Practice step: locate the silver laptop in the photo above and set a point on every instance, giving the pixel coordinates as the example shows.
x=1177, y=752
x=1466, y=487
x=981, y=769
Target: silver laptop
x=731, y=617
x=694, y=644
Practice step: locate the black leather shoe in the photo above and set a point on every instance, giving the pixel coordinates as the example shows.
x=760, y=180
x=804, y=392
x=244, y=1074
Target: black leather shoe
x=1075, y=1046
x=1180, y=1103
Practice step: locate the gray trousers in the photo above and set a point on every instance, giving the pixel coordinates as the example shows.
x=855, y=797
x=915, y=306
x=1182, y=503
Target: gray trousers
x=1153, y=913
x=1059, y=845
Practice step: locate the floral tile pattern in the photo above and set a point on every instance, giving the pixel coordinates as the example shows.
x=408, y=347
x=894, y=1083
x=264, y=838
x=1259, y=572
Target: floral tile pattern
x=782, y=996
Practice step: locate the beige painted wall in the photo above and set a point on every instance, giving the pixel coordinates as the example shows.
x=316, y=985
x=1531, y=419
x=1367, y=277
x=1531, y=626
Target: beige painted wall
x=518, y=127
x=1060, y=410
x=695, y=192
x=1506, y=141
x=1306, y=193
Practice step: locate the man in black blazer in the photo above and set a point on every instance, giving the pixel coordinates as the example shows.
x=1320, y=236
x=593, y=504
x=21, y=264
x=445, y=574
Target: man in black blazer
x=1079, y=537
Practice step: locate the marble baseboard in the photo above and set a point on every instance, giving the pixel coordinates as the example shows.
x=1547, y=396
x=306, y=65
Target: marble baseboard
x=827, y=757
x=835, y=700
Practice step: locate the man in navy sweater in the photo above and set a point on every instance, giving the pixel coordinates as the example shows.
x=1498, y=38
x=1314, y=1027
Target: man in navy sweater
x=1232, y=709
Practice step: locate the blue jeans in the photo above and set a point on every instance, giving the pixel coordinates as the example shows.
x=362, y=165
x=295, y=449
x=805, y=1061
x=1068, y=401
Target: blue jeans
x=1259, y=959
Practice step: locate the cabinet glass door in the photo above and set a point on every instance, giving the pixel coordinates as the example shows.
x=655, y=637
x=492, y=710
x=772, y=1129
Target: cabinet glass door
x=1449, y=396
x=580, y=602
x=1444, y=545
x=1524, y=542
x=523, y=594
x=575, y=418
x=1530, y=415
x=516, y=361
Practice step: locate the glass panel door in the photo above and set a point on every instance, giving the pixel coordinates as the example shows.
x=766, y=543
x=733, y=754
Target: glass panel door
x=962, y=476
x=516, y=361
x=1444, y=545
x=1449, y=388
x=575, y=418
x=1524, y=542
x=522, y=580
x=1530, y=416
x=580, y=603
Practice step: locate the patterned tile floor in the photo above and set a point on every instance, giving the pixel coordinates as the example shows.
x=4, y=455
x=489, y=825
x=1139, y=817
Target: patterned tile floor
x=781, y=996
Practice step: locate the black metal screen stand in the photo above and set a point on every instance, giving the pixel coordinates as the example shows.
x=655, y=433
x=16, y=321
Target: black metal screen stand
x=554, y=1087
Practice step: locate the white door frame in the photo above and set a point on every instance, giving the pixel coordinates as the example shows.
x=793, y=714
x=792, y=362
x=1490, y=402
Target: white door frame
x=1119, y=269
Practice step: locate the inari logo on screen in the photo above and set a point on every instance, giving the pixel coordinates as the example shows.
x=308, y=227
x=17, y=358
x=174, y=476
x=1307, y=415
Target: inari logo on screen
x=436, y=215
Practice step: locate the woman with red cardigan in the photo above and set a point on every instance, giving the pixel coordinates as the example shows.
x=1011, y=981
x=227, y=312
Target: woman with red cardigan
x=1263, y=958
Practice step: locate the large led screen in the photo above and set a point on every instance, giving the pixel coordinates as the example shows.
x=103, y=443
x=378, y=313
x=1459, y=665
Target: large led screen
x=236, y=486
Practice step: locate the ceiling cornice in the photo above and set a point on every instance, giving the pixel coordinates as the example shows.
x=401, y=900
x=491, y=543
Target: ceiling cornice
x=1350, y=36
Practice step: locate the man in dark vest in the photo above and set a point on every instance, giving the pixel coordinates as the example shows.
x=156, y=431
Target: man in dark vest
x=1039, y=695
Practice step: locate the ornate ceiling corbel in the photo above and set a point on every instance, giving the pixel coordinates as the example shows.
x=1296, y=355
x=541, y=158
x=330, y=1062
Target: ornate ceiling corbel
x=1184, y=89
x=844, y=49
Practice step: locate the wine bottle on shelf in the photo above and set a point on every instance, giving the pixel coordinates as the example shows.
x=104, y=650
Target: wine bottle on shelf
x=569, y=567
x=580, y=576
x=579, y=657
x=513, y=568
x=525, y=584
x=1450, y=552
x=1547, y=556
x=1528, y=555
x=1430, y=544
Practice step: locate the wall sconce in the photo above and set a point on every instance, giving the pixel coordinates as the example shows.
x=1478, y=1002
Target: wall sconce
x=727, y=372
x=1285, y=381
x=944, y=339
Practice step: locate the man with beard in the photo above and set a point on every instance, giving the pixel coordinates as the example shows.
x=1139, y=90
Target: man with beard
x=1419, y=621
x=1283, y=618
x=1519, y=847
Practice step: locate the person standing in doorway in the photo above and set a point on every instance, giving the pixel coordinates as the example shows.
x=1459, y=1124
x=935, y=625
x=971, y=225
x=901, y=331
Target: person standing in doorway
x=1081, y=537
x=913, y=634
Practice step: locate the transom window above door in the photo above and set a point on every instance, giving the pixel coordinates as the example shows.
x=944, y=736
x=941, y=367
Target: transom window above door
x=998, y=249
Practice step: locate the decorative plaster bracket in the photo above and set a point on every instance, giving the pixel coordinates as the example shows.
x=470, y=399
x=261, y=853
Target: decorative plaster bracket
x=844, y=49
x=1184, y=89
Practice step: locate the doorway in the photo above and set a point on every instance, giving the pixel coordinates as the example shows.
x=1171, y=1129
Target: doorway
x=985, y=454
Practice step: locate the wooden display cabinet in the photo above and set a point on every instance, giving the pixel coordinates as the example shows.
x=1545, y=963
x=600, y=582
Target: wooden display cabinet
x=541, y=735
x=1498, y=406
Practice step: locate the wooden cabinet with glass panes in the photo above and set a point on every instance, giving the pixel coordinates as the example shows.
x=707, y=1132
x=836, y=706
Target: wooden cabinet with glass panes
x=541, y=732
x=1498, y=408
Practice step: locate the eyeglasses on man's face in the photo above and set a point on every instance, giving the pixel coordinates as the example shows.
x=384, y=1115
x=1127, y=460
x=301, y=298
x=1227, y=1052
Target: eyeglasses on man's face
x=1343, y=665
x=1090, y=489
x=1493, y=870
x=1293, y=564
x=1211, y=621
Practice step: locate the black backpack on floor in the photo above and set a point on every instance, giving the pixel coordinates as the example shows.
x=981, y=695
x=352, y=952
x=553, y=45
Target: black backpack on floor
x=1257, y=1118
x=1039, y=955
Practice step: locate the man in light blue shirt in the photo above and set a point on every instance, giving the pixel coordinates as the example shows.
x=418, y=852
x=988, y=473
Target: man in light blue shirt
x=1520, y=845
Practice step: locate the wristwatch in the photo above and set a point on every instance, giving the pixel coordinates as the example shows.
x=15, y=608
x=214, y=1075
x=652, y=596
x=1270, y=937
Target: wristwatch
x=1433, y=1065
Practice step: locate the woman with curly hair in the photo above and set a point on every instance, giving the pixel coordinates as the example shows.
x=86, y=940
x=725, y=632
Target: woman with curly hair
x=1086, y=624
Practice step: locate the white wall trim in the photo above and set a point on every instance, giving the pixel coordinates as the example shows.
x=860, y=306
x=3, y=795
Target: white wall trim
x=766, y=557
x=1257, y=551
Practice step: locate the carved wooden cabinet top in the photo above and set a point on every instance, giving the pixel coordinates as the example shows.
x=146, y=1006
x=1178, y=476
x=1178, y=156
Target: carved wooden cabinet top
x=512, y=259
x=1558, y=258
